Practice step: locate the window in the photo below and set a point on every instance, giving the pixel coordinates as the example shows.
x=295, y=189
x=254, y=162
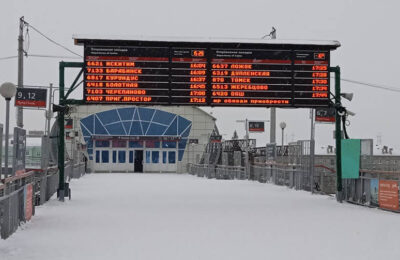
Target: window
x=131, y=156
x=148, y=156
x=114, y=156
x=104, y=156
x=135, y=144
x=164, y=157
x=97, y=156
x=167, y=144
x=155, y=155
x=121, y=156
x=171, y=157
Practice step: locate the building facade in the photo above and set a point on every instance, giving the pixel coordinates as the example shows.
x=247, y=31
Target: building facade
x=137, y=139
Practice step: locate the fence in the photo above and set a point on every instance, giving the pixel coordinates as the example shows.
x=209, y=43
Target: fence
x=374, y=188
x=20, y=194
x=291, y=176
x=218, y=171
x=16, y=202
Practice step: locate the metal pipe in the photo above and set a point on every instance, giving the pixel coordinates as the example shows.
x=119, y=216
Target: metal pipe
x=312, y=151
x=6, y=137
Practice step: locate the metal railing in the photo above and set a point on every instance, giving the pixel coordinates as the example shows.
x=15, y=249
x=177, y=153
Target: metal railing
x=13, y=194
x=291, y=176
x=12, y=203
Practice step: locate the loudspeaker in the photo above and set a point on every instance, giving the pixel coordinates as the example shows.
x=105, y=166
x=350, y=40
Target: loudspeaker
x=58, y=108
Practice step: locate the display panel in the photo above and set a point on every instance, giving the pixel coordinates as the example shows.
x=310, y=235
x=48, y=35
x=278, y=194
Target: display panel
x=31, y=97
x=206, y=74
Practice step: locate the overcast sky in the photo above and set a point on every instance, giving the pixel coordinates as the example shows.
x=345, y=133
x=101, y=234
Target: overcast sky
x=367, y=30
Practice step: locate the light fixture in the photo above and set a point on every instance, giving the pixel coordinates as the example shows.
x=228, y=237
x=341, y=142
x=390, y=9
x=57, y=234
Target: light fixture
x=8, y=90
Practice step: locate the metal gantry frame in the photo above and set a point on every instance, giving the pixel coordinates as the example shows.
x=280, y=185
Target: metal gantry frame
x=338, y=134
x=64, y=101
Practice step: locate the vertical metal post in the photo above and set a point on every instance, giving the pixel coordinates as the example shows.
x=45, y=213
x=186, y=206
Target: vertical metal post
x=272, y=132
x=1, y=151
x=48, y=116
x=338, y=136
x=7, y=137
x=20, y=119
x=61, y=141
x=247, y=149
x=312, y=150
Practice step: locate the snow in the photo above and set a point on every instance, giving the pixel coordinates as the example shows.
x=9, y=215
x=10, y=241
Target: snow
x=82, y=38
x=155, y=216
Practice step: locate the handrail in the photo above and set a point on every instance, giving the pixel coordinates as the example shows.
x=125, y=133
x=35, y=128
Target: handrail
x=379, y=171
x=14, y=178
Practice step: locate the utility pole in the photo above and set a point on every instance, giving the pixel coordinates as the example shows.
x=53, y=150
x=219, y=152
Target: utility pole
x=49, y=112
x=20, y=115
x=312, y=150
x=272, y=136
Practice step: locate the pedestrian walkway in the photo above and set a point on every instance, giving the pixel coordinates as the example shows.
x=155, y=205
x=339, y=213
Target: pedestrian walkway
x=182, y=217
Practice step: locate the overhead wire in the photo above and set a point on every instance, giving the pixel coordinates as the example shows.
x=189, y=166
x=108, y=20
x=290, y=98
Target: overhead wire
x=51, y=40
x=52, y=56
x=371, y=85
x=8, y=57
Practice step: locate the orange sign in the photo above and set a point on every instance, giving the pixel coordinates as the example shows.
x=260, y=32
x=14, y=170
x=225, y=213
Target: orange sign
x=388, y=194
x=28, y=202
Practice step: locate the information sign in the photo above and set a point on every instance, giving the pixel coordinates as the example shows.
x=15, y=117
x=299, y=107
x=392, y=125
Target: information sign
x=206, y=73
x=255, y=126
x=31, y=97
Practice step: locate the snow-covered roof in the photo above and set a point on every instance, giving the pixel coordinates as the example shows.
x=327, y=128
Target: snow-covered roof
x=79, y=39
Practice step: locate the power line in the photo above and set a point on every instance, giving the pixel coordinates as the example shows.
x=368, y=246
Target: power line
x=52, y=56
x=372, y=85
x=8, y=57
x=51, y=40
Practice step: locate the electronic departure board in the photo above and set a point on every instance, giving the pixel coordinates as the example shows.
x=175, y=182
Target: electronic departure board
x=206, y=73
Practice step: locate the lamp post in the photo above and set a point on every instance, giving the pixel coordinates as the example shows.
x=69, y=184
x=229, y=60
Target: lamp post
x=7, y=90
x=283, y=126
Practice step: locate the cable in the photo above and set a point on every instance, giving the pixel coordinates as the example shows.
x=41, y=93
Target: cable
x=8, y=58
x=372, y=85
x=49, y=39
x=52, y=56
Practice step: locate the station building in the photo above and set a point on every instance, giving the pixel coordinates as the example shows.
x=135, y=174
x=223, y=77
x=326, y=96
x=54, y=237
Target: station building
x=120, y=138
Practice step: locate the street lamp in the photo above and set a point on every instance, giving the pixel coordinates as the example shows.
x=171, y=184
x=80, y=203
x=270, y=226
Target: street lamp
x=7, y=90
x=283, y=126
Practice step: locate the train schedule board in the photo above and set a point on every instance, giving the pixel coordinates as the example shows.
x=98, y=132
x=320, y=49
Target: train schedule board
x=207, y=73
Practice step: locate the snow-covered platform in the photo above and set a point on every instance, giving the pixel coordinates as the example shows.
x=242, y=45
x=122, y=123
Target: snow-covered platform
x=154, y=216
